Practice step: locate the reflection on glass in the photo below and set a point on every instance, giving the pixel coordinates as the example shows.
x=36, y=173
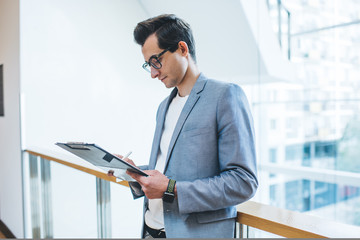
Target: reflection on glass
x=314, y=121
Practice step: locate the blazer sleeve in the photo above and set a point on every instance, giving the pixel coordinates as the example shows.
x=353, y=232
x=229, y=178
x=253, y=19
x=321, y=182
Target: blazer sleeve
x=237, y=181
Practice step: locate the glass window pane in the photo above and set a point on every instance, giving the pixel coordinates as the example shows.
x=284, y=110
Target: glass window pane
x=126, y=213
x=317, y=113
x=74, y=203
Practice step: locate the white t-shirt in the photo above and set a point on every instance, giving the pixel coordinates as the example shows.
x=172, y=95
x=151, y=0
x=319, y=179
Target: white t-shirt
x=154, y=216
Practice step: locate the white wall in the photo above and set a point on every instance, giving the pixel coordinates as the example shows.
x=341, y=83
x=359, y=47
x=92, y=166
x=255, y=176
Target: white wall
x=82, y=80
x=82, y=77
x=11, y=210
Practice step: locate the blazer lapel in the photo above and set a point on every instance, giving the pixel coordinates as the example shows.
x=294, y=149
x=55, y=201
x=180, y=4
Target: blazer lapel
x=159, y=130
x=189, y=105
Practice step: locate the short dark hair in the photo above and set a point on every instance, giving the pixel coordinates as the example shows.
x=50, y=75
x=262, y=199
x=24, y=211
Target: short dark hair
x=169, y=29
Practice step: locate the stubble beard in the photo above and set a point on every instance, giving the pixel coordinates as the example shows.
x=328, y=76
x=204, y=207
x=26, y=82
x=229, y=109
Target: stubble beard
x=171, y=83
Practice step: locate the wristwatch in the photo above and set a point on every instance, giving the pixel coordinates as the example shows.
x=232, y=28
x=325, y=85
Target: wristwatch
x=169, y=194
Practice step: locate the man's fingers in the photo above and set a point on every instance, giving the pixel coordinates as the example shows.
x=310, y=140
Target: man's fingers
x=110, y=173
x=128, y=160
x=131, y=174
x=118, y=155
x=151, y=172
x=135, y=176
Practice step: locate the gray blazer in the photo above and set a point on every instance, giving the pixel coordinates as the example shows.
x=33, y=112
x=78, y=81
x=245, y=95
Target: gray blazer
x=212, y=158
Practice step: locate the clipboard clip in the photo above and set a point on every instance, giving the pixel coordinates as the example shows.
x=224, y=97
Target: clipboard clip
x=76, y=145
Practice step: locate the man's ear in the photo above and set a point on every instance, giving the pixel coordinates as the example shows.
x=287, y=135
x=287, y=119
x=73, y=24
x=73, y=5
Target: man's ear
x=183, y=48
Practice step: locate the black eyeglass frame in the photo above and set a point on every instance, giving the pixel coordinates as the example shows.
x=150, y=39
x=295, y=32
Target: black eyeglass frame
x=156, y=59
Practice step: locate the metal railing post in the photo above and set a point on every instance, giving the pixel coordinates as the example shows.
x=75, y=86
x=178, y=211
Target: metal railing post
x=47, y=216
x=289, y=35
x=103, y=208
x=241, y=231
x=35, y=197
x=279, y=21
x=40, y=198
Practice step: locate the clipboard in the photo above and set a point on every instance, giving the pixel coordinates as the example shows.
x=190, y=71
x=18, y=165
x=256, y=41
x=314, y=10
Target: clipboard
x=101, y=158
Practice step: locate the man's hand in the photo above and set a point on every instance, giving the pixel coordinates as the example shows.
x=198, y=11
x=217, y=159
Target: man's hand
x=128, y=160
x=154, y=185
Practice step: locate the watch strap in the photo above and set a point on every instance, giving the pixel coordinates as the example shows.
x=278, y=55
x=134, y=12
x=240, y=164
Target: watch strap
x=171, y=186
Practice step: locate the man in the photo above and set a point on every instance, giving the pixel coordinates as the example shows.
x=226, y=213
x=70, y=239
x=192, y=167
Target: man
x=203, y=160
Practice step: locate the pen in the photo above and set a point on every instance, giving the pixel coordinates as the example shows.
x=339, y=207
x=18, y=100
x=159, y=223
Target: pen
x=127, y=155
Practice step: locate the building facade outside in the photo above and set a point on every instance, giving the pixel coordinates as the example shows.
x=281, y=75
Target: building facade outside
x=314, y=121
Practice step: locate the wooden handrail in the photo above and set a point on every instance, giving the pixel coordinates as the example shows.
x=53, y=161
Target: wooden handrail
x=291, y=224
x=267, y=218
x=78, y=167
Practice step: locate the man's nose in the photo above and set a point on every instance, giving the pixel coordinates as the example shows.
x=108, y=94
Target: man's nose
x=154, y=72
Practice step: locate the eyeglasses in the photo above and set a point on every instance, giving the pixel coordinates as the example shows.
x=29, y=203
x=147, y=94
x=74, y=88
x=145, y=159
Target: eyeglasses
x=154, y=61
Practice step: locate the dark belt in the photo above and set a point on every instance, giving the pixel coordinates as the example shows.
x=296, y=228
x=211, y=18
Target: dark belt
x=154, y=232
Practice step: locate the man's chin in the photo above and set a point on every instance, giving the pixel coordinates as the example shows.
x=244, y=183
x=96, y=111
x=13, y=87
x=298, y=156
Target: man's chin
x=167, y=85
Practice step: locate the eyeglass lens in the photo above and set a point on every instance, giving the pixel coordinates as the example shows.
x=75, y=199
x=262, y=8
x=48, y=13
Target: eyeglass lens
x=154, y=62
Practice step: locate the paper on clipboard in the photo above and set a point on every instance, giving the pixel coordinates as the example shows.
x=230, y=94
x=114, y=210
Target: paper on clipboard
x=102, y=159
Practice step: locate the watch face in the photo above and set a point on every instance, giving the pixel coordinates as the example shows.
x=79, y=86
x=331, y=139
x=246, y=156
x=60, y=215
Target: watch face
x=168, y=197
